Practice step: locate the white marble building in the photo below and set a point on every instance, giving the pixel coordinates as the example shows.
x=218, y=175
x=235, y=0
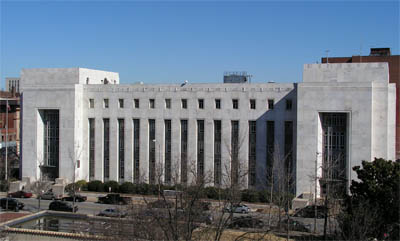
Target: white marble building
x=127, y=132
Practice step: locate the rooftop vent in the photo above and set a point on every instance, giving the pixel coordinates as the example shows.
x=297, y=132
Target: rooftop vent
x=236, y=77
x=380, y=52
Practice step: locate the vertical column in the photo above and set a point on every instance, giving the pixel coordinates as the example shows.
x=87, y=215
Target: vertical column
x=160, y=165
x=209, y=152
x=128, y=150
x=121, y=150
x=175, y=155
x=144, y=164
x=192, y=150
x=226, y=153
x=114, y=165
x=98, y=146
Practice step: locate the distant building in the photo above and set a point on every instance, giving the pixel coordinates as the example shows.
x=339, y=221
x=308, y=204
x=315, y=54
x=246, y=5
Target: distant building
x=12, y=84
x=10, y=137
x=380, y=55
x=127, y=132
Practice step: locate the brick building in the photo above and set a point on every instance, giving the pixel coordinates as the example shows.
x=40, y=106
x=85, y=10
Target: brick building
x=380, y=55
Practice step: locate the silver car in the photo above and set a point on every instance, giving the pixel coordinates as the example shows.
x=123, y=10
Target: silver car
x=112, y=212
x=241, y=208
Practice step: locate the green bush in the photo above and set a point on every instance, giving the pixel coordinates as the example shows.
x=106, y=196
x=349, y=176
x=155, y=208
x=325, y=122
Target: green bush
x=212, y=192
x=95, y=186
x=111, y=184
x=264, y=196
x=249, y=195
x=127, y=187
x=3, y=186
x=82, y=184
x=142, y=188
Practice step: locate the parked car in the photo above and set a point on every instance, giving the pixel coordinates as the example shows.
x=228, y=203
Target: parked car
x=62, y=206
x=113, y=213
x=309, y=212
x=49, y=195
x=294, y=225
x=160, y=204
x=78, y=198
x=20, y=194
x=114, y=198
x=11, y=204
x=241, y=208
x=246, y=222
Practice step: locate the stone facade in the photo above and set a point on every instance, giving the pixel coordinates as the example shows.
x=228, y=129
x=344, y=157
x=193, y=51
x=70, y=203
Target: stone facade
x=79, y=95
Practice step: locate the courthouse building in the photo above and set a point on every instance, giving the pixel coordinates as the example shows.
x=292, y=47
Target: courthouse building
x=84, y=121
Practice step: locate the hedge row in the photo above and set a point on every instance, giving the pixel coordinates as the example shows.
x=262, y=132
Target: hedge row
x=247, y=195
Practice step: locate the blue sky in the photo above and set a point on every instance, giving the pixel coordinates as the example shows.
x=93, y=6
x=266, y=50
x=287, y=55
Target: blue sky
x=168, y=42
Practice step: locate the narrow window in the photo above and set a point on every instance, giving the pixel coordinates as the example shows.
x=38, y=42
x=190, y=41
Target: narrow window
x=235, y=151
x=217, y=152
x=253, y=104
x=152, y=150
x=270, y=135
x=235, y=104
x=105, y=103
x=106, y=148
x=168, y=147
x=184, y=150
x=200, y=149
x=288, y=104
x=121, y=103
x=91, y=148
x=252, y=152
x=217, y=103
x=168, y=103
x=201, y=104
x=152, y=104
x=121, y=148
x=271, y=104
x=136, y=149
x=91, y=103
x=184, y=103
x=136, y=103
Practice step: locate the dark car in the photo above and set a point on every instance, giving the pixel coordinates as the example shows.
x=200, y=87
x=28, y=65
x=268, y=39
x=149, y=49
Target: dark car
x=78, y=198
x=114, y=198
x=11, y=204
x=309, y=212
x=62, y=206
x=294, y=225
x=20, y=194
x=160, y=204
x=246, y=222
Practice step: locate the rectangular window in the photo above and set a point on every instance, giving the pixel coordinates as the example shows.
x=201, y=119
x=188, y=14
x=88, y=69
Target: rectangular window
x=235, y=151
x=289, y=145
x=235, y=104
x=201, y=104
x=106, y=148
x=121, y=148
x=217, y=152
x=217, y=103
x=92, y=140
x=152, y=103
x=288, y=104
x=252, y=152
x=136, y=150
x=270, y=104
x=184, y=103
x=105, y=103
x=168, y=150
x=200, y=149
x=152, y=150
x=253, y=104
x=136, y=103
x=50, y=142
x=270, y=148
x=121, y=103
x=168, y=103
x=91, y=103
x=184, y=150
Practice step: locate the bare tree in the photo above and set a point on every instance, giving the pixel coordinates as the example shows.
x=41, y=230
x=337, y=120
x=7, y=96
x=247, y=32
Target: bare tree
x=74, y=156
x=41, y=185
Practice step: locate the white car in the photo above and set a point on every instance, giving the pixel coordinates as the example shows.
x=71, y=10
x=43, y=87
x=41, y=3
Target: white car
x=112, y=212
x=241, y=208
